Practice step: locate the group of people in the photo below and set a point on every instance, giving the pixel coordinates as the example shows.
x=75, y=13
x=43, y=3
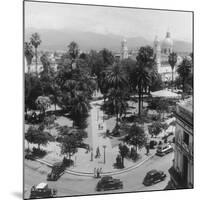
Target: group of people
x=97, y=172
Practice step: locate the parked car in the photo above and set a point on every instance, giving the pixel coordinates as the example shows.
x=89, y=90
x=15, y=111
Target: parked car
x=57, y=171
x=153, y=177
x=109, y=183
x=42, y=190
x=164, y=149
x=29, y=156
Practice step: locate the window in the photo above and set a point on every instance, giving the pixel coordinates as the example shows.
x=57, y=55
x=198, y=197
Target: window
x=186, y=138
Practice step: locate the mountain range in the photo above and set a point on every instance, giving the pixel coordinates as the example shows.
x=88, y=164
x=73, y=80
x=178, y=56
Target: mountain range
x=58, y=40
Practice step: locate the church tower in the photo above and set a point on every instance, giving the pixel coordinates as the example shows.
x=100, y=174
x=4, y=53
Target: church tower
x=124, y=50
x=157, y=52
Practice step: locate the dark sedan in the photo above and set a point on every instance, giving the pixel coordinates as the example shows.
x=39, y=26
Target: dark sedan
x=109, y=183
x=153, y=177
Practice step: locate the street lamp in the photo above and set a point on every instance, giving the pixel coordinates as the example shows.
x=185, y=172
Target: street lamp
x=91, y=154
x=97, y=115
x=104, y=148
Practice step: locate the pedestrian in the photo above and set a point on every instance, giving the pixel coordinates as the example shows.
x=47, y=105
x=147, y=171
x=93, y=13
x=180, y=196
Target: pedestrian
x=98, y=176
x=98, y=152
x=100, y=171
x=95, y=172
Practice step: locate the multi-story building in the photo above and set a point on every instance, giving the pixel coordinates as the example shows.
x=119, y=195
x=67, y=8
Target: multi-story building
x=182, y=170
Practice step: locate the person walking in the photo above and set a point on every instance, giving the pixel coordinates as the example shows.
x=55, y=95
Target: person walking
x=98, y=153
x=95, y=172
x=98, y=173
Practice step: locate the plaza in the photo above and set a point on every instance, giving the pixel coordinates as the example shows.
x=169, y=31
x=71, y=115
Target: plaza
x=100, y=110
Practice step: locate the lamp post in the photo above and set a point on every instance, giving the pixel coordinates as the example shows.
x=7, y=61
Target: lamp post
x=104, y=148
x=91, y=154
x=97, y=115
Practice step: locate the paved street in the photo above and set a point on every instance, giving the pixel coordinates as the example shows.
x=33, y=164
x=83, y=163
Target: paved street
x=69, y=185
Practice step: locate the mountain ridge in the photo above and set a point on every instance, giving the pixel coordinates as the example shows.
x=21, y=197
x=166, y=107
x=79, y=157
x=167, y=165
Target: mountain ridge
x=54, y=40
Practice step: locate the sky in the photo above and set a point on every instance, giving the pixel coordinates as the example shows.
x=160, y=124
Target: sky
x=126, y=22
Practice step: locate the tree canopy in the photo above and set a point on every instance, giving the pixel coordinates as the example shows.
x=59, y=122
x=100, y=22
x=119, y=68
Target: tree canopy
x=135, y=136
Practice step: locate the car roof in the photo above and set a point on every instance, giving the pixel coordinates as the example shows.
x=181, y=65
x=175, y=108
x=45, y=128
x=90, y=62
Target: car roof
x=41, y=185
x=163, y=145
x=152, y=172
x=106, y=177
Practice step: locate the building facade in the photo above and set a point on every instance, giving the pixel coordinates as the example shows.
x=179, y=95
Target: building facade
x=162, y=49
x=182, y=170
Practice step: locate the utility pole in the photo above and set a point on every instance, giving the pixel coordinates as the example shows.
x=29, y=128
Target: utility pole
x=104, y=148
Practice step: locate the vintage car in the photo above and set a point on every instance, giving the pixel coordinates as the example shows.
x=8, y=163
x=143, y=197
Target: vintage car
x=164, y=149
x=109, y=183
x=29, y=156
x=42, y=190
x=58, y=170
x=153, y=177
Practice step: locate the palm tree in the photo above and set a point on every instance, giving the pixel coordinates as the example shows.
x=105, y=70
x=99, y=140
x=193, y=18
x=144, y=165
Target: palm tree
x=117, y=86
x=143, y=80
x=117, y=100
x=73, y=51
x=116, y=77
x=28, y=52
x=79, y=106
x=102, y=84
x=135, y=136
x=145, y=63
x=172, y=59
x=184, y=71
x=35, y=41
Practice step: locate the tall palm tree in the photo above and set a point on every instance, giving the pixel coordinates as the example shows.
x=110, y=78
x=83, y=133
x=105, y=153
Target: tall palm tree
x=35, y=41
x=116, y=77
x=184, y=71
x=172, y=59
x=143, y=80
x=117, y=100
x=28, y=52
x=73, y=51
x=145, y=63
x=117, y=86
x=79, y=106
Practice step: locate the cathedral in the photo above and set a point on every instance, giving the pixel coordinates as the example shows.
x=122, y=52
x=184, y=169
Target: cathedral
x=162, y=49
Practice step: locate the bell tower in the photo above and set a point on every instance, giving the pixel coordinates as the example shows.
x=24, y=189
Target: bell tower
x=157, y=52
x=124, y=50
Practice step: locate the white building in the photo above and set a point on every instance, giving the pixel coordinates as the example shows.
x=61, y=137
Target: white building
x=162, y=49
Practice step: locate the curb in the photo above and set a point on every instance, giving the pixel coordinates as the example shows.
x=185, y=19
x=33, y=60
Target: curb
x=89, y=174
x=109, y=173
x=44, y=162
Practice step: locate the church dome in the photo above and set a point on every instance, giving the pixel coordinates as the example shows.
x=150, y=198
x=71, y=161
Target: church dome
x=156, y=40
x=167, y=42
x=124, y=40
